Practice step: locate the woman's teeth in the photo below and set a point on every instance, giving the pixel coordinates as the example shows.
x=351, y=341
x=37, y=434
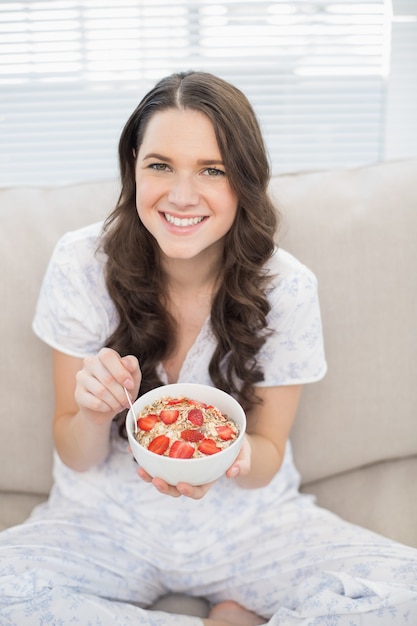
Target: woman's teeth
x=176, y=221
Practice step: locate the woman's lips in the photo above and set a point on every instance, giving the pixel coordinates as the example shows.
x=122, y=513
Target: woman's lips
x=183, y=222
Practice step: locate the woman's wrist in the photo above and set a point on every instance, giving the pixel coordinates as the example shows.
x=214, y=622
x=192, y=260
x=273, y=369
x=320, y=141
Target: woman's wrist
x=82, y=442
x=264, y=463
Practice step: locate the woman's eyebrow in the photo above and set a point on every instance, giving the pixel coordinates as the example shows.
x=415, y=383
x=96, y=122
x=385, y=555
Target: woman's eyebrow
x=155, y=155
x=161, y=157
x=209, y=162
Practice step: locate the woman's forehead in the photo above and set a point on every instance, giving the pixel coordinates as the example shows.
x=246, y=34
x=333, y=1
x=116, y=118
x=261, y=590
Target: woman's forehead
x=171, y=130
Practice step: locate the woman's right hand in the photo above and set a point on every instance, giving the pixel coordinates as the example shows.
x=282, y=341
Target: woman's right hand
x=99, y=390
x=88, y=395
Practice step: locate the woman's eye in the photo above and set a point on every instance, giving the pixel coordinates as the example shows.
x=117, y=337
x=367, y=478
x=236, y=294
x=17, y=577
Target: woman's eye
x=159, y=167
x=213, y=171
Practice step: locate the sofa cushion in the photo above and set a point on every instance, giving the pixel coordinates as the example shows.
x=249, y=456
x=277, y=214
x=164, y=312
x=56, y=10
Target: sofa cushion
x=381, y=497
x=357, y=230
x=16, y=507
x=31, y=222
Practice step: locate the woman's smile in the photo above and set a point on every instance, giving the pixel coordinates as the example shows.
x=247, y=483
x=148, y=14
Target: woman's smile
x=182, y=222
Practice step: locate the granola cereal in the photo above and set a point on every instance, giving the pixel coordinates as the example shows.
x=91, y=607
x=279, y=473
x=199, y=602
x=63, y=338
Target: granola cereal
x=184, y=428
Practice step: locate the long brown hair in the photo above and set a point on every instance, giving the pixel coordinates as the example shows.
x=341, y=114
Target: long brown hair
x=134, y=276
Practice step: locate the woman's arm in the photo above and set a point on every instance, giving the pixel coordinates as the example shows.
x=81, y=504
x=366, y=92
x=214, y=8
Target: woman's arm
x=269, y=426
x=88, y=395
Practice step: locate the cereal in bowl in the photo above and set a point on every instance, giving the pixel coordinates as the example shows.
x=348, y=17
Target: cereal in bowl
x=184, y=428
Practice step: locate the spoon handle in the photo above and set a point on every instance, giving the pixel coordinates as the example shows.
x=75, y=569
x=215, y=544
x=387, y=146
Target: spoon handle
x=131, y=409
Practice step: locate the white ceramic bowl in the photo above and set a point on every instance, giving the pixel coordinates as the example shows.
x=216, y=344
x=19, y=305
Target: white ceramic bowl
x=195, y=471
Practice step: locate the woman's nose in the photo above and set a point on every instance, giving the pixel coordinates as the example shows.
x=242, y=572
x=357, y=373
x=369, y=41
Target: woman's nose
x=183, y=192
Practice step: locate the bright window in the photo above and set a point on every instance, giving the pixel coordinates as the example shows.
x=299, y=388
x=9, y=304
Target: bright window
x=316, y=72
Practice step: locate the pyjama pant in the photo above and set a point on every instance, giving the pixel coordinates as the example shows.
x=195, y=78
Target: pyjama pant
x=317, y=571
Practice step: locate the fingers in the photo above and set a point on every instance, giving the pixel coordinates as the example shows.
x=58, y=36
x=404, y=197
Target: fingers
x=158, y=483
x=101, y=380
x=182, y=489
x=131, y=364
x=144, y=475
x=165, y=488
x=196, y=493
x=242, y=464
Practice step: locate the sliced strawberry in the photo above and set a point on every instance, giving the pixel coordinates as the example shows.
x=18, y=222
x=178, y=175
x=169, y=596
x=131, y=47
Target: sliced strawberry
x=169, y=416
x=208, y=446
x=225, y=432
x=172, y=401
x=191, y=434
x=196, y=403
x=195, y=416
x=147, y=422
x=181, y=450
x=159, y=445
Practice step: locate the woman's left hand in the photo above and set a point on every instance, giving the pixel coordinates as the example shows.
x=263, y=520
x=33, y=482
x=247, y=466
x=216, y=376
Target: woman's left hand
x=240, y=467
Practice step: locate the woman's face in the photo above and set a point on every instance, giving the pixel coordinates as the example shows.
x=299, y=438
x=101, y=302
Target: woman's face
x=183, y=195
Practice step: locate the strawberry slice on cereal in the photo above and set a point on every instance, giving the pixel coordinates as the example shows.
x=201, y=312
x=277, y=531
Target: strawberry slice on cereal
x=173, y=401
x=147, y=422
x=195, y=416
x=181, y=450
x=159, y=445
x=169, y=416
x=208, y=446
x=192, y=434
x=225, y=433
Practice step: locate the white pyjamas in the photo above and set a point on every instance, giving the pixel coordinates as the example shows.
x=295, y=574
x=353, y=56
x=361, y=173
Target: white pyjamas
x=106, y=545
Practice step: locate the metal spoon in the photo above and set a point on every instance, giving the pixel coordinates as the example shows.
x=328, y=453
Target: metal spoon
x=132, y=409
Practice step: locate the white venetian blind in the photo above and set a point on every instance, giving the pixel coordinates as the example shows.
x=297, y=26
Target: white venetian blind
x=401, y=106
x=72, y=71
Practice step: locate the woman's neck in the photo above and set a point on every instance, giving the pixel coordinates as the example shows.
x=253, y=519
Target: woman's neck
x=191, y=287
x=198, y=276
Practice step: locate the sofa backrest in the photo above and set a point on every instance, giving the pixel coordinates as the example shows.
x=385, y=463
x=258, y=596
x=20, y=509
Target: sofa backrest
x=355, y=228
x=31, y=221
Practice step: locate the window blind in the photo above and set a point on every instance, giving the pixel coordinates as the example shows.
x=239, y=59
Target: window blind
x=71, y=72
x=401, y=101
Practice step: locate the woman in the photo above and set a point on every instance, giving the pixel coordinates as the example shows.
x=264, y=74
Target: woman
x=184, y=283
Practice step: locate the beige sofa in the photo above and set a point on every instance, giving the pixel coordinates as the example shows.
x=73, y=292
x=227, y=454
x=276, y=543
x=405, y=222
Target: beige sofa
x=355, y=440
